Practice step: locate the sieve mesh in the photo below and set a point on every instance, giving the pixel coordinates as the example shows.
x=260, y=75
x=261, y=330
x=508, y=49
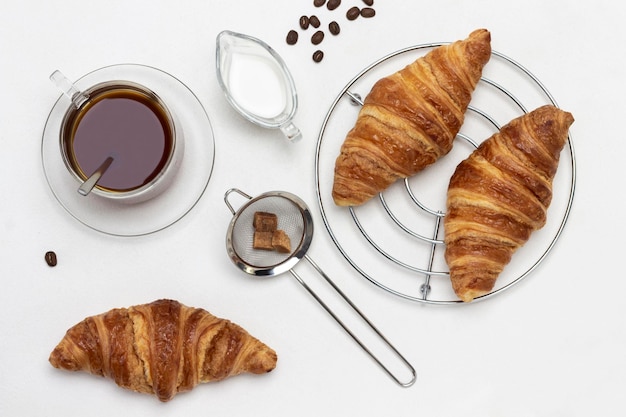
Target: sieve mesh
x=290, y=220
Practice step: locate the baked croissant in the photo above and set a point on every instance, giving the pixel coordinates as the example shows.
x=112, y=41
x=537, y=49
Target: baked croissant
x=161, y=348
x=499, y=195
x=409, y=119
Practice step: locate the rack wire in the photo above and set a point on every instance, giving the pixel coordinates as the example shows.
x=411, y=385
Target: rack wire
x=394, y=241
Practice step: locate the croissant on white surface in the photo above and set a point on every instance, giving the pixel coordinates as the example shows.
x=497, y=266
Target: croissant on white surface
x=499, y=195
x=409, y=119
x=161, y=348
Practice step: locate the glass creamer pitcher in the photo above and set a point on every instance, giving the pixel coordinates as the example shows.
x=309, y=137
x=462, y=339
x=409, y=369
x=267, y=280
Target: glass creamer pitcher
x=256, y=82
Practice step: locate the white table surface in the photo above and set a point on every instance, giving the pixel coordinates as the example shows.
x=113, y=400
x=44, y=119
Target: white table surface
x=551, y=346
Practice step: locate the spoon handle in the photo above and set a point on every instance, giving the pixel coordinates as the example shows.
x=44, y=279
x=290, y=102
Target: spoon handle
x=91, y=182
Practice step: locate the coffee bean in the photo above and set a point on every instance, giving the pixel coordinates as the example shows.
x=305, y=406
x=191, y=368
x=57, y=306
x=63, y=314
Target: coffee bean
x=317, y=37
x=368, y=12
x=292, y=37
x=315, y=22
x=51, y=258
x=318, y=56
x=333, y=4
x=353, y=13
x=304, y=22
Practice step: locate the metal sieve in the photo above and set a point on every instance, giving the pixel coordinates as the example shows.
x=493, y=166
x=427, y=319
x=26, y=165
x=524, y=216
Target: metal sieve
x=295, y=219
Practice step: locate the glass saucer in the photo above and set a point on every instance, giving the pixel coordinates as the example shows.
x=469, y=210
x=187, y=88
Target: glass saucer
x=171, y=205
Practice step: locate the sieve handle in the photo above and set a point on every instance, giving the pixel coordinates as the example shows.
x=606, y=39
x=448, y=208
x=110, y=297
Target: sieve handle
x=227, y=195
x=365, y=319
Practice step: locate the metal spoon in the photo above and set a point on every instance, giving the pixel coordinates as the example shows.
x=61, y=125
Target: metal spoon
x=91, y=182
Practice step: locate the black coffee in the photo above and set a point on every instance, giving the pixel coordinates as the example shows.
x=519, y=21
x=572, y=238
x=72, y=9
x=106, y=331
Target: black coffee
x=127, y=124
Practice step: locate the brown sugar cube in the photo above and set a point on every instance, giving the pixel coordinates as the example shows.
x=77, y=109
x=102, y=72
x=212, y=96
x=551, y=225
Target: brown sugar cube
x=281, y=242
x=265, y=222
x=262, y=240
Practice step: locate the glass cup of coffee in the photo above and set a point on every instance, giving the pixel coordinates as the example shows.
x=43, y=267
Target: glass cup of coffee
x=119, y=140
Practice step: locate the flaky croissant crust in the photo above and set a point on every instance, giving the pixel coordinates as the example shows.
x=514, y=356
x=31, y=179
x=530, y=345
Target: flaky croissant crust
x=161, y=348
x=409, y=119
x=499, y=195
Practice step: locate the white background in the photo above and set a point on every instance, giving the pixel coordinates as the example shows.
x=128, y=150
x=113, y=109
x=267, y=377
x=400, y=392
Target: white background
x=552, y=346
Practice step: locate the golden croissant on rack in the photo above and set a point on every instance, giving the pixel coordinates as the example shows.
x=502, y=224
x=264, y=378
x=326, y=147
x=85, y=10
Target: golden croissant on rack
x=499, y=195
x=409, y=119
x=161, y=348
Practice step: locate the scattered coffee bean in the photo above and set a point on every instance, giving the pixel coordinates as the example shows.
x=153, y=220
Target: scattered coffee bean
x=318, y=56
x=51, y=258
x=304, y=22
x=292, y=37
x=314, y=21
x=317, y=37
x=353, y=13
x=333, y=4
x=368, y=12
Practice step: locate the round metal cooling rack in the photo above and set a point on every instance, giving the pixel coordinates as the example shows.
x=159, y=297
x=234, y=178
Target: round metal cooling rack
x=395, y=241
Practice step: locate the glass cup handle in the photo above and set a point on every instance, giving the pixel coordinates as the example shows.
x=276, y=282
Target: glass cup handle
x=291, y=132
x=68, y=88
